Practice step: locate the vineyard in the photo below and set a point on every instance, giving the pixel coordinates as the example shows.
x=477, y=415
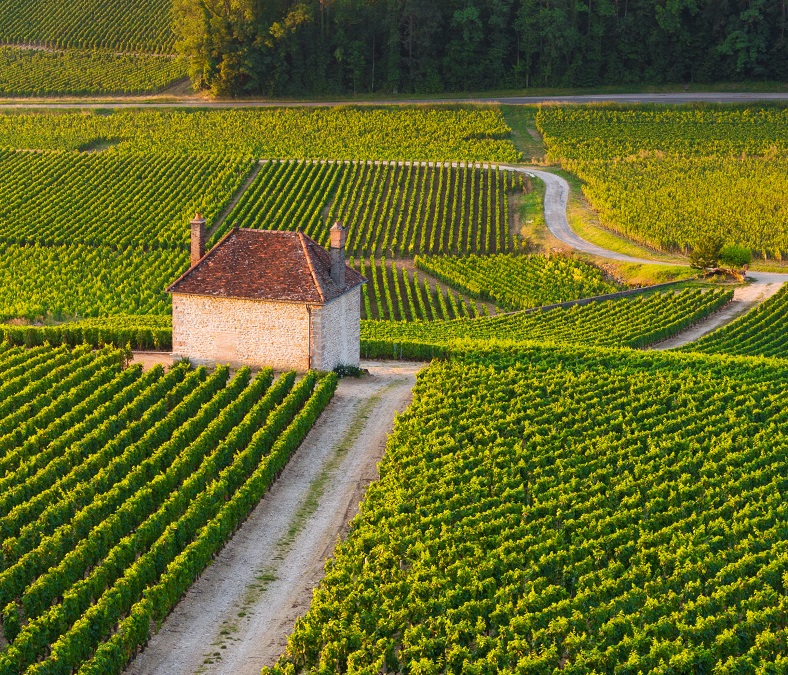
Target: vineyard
x=666, y=177
x=762, y=331
x=567, y=510
x=395, y=293
x=403, y=133
x=553, y=500
x=118, y=189
x=149, y=332
x=36, y=72
x=121, y=25
x=63, y=282
x=519, y=282
x=390, y=209
x=628, y=322
x=118, y=487
x=110, y=198
x=95, y=206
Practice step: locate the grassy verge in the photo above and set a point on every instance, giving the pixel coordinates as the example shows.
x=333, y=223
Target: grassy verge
x=531, y=226
x=636, y=274
x=585, y=222
x=525, y=136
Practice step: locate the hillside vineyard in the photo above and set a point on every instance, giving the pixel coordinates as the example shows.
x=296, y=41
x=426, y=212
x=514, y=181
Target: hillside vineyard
x=567, y=510
x=73, y=185
x=123, y=26
x=33, y=72
x=762, y=331
x=117, y=489
x=519, y=282
x=558, y=498
x=666, y=177
x=390, y=209
x=627, y=322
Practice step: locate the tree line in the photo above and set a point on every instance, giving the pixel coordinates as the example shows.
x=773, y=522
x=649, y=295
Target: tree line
x=324, y=47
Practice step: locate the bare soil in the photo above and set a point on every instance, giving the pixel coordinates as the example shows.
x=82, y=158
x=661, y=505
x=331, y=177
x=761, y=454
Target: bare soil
x=150, y=359
x=237, y=616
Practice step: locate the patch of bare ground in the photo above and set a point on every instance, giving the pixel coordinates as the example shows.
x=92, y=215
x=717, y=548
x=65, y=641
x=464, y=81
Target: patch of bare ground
x=237, y=616
x=745, y=298
x=150, y=359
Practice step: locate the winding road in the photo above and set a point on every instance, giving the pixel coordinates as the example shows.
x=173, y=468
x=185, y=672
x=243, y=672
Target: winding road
x=556, y=200
x=763, y=284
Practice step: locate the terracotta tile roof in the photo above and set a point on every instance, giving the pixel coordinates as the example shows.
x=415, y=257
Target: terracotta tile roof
x=266, y=265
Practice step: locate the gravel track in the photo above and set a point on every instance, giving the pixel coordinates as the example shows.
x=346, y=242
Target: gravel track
x=762, y=287
x=196, y=102
x=237, y=616
x=556, y=199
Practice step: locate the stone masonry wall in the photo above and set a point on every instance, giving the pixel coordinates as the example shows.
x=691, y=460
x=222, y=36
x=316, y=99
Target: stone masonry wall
x=336, y=332
x=240, y=332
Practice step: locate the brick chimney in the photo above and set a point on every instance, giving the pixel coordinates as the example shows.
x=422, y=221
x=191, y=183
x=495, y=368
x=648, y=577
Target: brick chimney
x=198, y=238
x=338, y=235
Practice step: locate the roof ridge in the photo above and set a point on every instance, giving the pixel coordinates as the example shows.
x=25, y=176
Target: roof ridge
x=302, y=238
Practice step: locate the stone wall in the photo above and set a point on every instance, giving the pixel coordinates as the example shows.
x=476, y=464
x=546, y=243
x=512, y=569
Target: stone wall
x=336, y=332
x=240, y=332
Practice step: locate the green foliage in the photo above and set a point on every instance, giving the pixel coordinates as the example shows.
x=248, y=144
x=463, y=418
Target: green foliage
x=303, y=48
x=389, y=209
x=221, y=41
x=396, y=293
x=636, y=321
x=119, y=489
x=667, y=176
x=517, y=281
x=35, y=72
x=706, y=253
x=735, y=256
x=760, y=332
x=122, y=25
x=343, y=370
x=140, y=332
x=62, y=282
x=563, y=509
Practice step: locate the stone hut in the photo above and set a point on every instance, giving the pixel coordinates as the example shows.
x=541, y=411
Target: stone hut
x=267, y=298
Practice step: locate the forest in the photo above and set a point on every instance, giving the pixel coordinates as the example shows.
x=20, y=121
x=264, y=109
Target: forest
x=325, y=47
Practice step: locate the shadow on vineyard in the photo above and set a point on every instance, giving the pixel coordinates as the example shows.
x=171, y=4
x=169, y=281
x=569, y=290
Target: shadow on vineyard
x=98, y=145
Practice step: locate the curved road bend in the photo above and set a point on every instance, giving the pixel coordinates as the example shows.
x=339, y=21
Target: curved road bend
x=556, y=199
x=555, y=205
x=763, y=286
x=671, y=98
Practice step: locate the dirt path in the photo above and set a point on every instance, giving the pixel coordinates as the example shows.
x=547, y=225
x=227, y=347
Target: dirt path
x=150, y=359
x=762, y=287
x=237, y=617
x=763, y=284
x=236, y=198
